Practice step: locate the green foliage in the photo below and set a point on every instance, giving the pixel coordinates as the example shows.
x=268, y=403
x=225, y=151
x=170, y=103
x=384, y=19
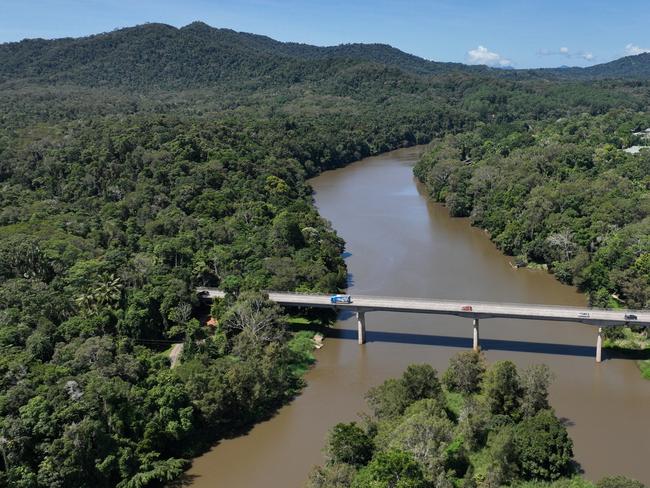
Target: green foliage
x=501, y=458
x=332, y=476
x=502, y=389
x=575, y=482
x=427, y=437
x=421, y=381
x=391, y=398
x=618, y=482
x=644, y=366
x=535, y=381
x=391, y=469
x=500, y=435
x=565, y=195
x=139, y=164
x=465, y=373
x=349, y=444
x=544, y=449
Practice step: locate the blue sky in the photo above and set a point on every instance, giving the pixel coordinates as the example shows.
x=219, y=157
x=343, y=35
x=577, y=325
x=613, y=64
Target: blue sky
x=519, y=33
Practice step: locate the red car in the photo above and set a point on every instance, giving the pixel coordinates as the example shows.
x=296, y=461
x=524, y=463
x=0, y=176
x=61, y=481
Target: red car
x=466, y=308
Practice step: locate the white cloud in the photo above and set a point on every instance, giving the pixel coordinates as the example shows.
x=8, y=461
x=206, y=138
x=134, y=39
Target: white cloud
x=567, y=53
x=482, y=55
x=633, y=50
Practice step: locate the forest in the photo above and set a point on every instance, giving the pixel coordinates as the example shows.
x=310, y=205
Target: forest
x=474, y=426
x=559, y=193
x=132, y=171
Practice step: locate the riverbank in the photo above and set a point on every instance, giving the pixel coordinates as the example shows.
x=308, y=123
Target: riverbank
x=398, y=243
x=576, y=205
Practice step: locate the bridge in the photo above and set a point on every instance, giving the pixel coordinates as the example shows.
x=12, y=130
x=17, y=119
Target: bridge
x=470, y=309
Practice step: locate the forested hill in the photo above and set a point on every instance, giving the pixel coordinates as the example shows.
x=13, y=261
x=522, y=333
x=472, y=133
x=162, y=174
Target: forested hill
x=139, y=164
x=155, y=55
x=629, y=67
x=197, y=55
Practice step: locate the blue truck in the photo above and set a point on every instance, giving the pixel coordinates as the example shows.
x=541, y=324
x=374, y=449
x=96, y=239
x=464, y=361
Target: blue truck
x=341, y=299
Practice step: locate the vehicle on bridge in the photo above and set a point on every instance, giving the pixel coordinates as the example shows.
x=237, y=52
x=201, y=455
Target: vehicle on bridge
x=631, y=316
x=341, y=299
x=466, y=308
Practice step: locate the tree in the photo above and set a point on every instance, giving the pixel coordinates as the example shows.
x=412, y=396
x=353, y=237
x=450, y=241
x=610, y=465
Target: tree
x=562, y=245
x=535, y=381
x=544, y=449
x=426, y=438
x=502, y=389
x=389, y=399
x=465, y=373
x=348, y=444
x=421, y=381
x=256, y=317
x=391, y=469
x=502, y=458
x=331, y=476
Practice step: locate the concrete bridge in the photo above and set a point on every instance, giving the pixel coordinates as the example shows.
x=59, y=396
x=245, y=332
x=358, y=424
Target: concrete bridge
x=474, y=310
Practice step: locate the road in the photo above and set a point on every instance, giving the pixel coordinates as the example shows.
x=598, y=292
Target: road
x=471, y=309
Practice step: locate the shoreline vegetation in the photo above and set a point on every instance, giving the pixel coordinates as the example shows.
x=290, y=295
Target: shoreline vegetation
x=560, y=195
x=139, y=164
x=477, y=426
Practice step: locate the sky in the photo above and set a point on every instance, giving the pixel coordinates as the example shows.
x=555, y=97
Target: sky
x=506, y=33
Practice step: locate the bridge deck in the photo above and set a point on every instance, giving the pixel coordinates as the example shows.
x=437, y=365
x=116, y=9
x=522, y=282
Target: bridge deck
x=482, y=310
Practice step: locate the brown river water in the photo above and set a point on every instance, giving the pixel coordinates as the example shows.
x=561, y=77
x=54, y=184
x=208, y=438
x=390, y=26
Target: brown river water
x=400, y=244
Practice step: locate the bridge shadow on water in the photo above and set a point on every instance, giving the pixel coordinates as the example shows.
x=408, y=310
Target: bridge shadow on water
x=466, y=342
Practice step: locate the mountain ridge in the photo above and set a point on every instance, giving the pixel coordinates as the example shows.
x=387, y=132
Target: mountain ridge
x=163, y=52
x=198, y=55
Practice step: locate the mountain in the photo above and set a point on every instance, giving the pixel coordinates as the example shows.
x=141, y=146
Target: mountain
x=628, y=67
x=159, y=55
x=197, y=55
x=637, y=66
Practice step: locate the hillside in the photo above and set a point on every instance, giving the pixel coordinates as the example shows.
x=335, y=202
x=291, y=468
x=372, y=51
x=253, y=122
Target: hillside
x=158, y=55
x=629, y=67
x=139, y=164
x=197, y=56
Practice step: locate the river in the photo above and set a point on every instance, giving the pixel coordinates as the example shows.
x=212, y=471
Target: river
x=400, y=244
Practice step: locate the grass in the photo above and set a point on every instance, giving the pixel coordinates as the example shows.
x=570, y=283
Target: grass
x=299, y=321
x=301, y=343
x=632, y=341
x=644, y=366
x=302, y=346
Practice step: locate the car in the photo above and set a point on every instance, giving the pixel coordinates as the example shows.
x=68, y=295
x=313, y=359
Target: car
x=631, y=316
x=466, y=308
x=583, y=315
x=341, y=299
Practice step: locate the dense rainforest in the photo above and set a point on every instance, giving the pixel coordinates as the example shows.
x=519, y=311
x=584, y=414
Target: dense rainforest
x=139, y=164
x=475, y=426
x=562, y=194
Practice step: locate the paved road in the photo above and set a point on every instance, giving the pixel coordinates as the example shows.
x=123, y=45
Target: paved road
x=482, y=310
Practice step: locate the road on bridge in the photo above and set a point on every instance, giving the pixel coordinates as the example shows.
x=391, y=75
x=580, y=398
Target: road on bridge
x=475, y=310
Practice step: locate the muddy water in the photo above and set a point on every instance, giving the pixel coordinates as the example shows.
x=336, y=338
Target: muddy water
x=402, y=245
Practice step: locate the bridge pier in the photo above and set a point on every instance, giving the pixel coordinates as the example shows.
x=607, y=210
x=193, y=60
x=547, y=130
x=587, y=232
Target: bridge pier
x=361, y=327
x=599, y=345
x=476, y=345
